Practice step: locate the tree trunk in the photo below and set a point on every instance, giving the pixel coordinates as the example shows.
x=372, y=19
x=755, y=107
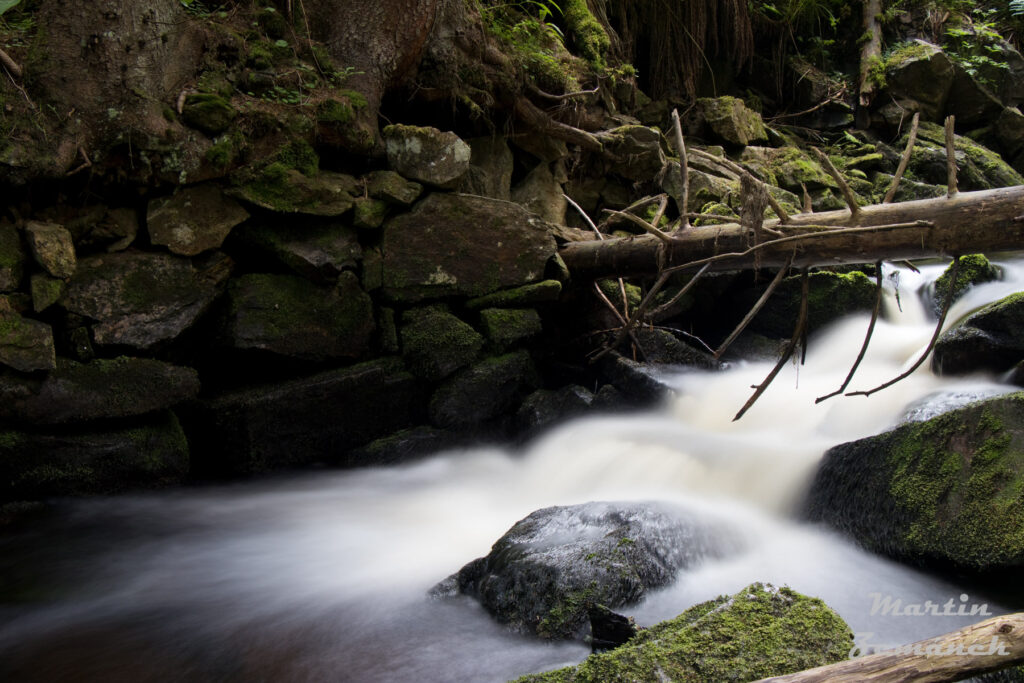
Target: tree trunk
x=981, y=648
x=870, y=54
x=971, y=222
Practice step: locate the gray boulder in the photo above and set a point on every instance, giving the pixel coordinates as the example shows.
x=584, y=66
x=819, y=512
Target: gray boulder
x=25, y=344
x=427, y=155
x=544, y=574
x=318, y=252
x=483, y=391
x=52, y=247
x=987, y=340
x=460, y=245
x=193, y=220
x=731, y=122
x=634, y=152
x=921, y=73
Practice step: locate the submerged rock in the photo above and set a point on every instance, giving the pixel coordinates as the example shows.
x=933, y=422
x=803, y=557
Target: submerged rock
x=944, y=493
x=551, y=568
x=760, y=631
x=988, y=340
x=547, y=406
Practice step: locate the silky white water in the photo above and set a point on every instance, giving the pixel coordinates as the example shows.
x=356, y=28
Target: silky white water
x=324, y=576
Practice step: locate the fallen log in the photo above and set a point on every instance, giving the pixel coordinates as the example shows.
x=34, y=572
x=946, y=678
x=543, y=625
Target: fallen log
x=969, y=222
x=981, y=648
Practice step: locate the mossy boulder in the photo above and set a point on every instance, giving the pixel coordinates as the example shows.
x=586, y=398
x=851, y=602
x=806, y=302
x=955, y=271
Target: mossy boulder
x=318, y=251
x=45, y=290
x=144, y=454
x=543, y=575
x=306, y=420
x=52, y=247
x=979, y=168
x=25, y=344
x=506, y=327
x=342, y=122
x=142, y=300
x=586, y=33
x=519, y=297
x=788, y=167
x=832, y=296
x=633, y=152
x=661, y=347
x=100, y=389
x=759, y=632
x=290, y=316
x=945, y=493
x=427, y=155
x=282, y=189
x=987, y=340
x=460, y=245
x=919, y=72
x=193, y=220
x=12, y=258
x=370, y=213
x=392, y=188
x=731, y=122
x=974, y=269
x=436, y=343
x=484, y=391
x=908, y=190
x=208, y=112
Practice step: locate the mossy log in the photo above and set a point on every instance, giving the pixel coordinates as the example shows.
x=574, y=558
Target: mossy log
x=970, y=222
x=984, y=647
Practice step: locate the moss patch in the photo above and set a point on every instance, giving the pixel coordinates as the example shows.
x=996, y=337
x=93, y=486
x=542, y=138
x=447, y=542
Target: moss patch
x=436, y=343
x=208, y=112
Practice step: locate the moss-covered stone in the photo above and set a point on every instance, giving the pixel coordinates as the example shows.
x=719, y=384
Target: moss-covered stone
x=12, y=258
x=519, y=297
x=987, y=340
x=979, y=168
x=46, y=291
x=317, y=250
x=285, y=189
x=52, y=247
x=731, y=121
x=974, y=269
x=759, y=632
x=193, y=220
x=832, y=295
x=370, y=213
x=291, y=316
x=393, y=188
x=483, y=391
x=427, y=155
x=436, y=343
x=208, y=112
x=947, y=492
x=789, y=168
x=26, y=345
x=612, y=290
x=506, y=327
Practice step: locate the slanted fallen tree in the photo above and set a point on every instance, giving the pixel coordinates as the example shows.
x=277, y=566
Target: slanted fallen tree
x=987, y=646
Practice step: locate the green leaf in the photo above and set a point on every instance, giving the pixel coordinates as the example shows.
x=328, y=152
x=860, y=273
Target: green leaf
x=8, y=4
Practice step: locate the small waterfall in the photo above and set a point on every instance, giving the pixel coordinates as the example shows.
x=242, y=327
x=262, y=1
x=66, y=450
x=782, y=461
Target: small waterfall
x=324, y=576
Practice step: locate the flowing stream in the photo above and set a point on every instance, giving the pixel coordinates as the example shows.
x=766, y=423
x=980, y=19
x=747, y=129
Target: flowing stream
x=324, y=576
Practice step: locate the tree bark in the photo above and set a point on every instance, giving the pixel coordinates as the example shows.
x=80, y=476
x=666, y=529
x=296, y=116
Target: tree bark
x=971, y=222
x=981, y=648
x=870, y=52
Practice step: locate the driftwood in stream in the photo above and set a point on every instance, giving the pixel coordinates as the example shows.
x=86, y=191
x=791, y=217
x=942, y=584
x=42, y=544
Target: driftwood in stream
x=969, y=222
x=981, y=648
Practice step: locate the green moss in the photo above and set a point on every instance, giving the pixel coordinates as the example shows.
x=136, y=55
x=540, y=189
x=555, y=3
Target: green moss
x=505, y=327
x=759, y=632
x=611, y=289
x=973, y=269
x=525, y=296
x=436, y=343
x=334, y=111
x=566, y=614
x=586, y=32
x=906, y=52
x=226, y=149
x=209, y=113
x=260, y=56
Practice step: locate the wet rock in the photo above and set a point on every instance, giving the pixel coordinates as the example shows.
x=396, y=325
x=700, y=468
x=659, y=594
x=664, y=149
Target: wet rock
x=541, y=193
x=490, y=169
x=974, y=269
x=545, y=406
x=662, y=347
x=731, y=121
x=52, y=247
x=609, y=630
x=759, y=632
x=26, y=345
x=921, y=72
x=12, y=258
x=319, y=252
x=988, y=339
x=943, y=493
x=427, y=155
x=506, y=327
x=633, y=152
x=392, y=188
x=101, y=389
x=436, y=343
x=402, y=446
x=519, y=297
x=459, y=245
x=140, y=299
x=286, y=190
x=306, y=420
x=193, y=220
x=93, y=461
x=832, y=296
x=290, y=316
x=484, y=390
x=549, y=569
x=632, y=379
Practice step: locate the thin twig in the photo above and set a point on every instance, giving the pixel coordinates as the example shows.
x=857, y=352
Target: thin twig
x=798, y=334
x=684, y=168
x=828, y=100
x=950, y=158
x=86, y=163
x=661, y=310
x=777, y=208
x=754, y=310
x=931, y=343
x=636, y=220
x=622, y=284
x=618, y=316
x=901, y=169
x=634, y=206
x=12, y=66
x=569, y=95
x=799, y=238
x=851, y=200
x=585, y=216
x=867, y=337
